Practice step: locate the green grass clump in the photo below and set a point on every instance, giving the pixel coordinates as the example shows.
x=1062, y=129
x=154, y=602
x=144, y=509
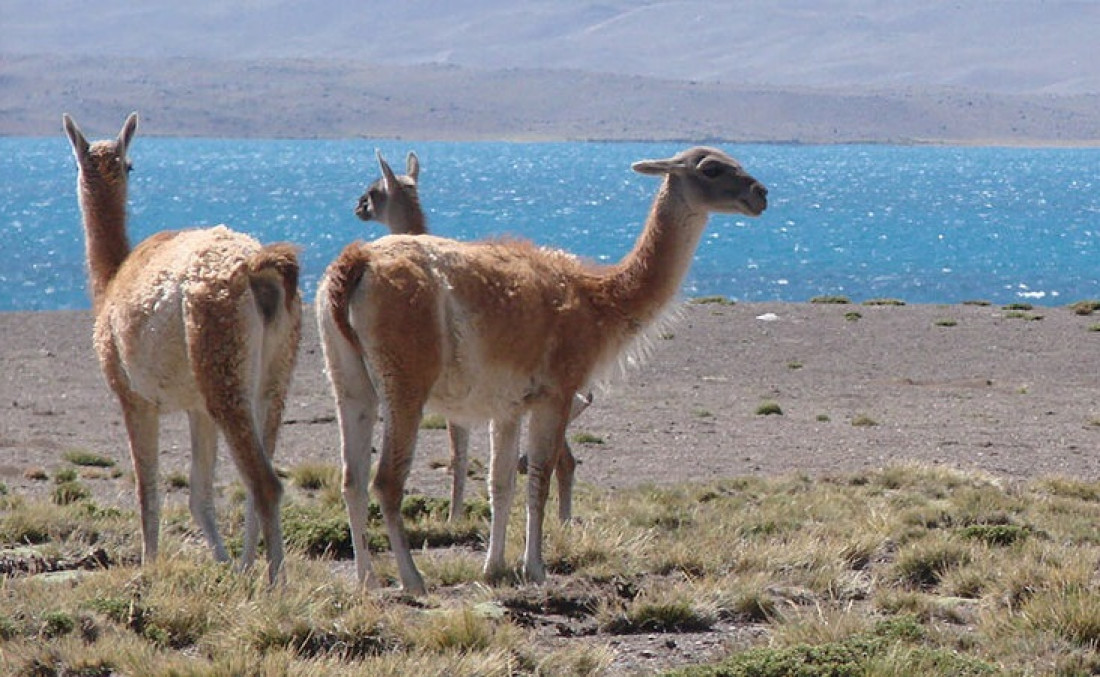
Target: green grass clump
x=315, y=476
x=769, y=408
x=56, y=624
x=320, y=529
x=586, y=438
x=663, y=613
x=65, y=475
x=177, y=480
x=433, y=422
x=946, y=322
x=977, y=302
x=890, y=647
x=995, y=534
x=87, y=458
x=70, y=492
x=863, y=421
x=712, y=300
x=1022, y=315
x=317, y=531
x=837, y=300
x=884, y=302
x=853, y=316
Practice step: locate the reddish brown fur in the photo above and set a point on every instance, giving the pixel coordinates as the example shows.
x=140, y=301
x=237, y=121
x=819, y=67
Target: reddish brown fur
x=205, y=321
x=498, y=330
x=394, y=201
x=105, y=175
x=281, y=258
x=343, y=275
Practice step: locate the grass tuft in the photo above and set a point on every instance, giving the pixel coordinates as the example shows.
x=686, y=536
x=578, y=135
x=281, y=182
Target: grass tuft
x=433, y=422
x=995, y=534
x=644, y=615
x=1085, y=307
x=177, y=480
x=712, y=300
x=315, y=476
x=884, y=302
x=66, y=493
x=1022, y=315
x=769, y=408
x=587, y=438
x=65, y=475
x=87, y=458
x=923, y=565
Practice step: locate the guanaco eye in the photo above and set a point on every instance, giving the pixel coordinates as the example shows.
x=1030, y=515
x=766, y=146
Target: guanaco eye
x=711, y=170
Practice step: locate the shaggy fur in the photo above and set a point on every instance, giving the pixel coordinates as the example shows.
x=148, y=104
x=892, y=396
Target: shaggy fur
x=394, y=201
x=205, y=321
x=495, y=331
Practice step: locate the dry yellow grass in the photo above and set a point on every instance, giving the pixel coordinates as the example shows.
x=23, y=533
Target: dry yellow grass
x=906, y=569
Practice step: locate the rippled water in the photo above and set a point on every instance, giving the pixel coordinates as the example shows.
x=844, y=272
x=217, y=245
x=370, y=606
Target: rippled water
x=923, y=224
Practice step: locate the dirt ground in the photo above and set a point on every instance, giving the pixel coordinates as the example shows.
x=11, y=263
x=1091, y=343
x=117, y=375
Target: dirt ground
x=966, y=386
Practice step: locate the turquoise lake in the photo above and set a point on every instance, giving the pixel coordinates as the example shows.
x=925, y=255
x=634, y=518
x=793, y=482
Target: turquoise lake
x=921, y=224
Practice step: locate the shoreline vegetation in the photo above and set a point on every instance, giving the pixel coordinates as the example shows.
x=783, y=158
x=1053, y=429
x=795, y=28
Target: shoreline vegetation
x=831, y=487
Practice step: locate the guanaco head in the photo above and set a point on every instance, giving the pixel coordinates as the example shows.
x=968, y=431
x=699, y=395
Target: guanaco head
x=393, y=200
x=709, y=179
x=103, y=163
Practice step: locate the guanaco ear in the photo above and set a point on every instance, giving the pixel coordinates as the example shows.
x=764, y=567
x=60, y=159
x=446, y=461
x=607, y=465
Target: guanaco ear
x=412, y=166
x=387, y=173
x=658, y=167
x=76, y=137
x=126, y=134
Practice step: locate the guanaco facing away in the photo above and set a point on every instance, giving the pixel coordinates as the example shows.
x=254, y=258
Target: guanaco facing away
x=205, y=321
x=495, y=331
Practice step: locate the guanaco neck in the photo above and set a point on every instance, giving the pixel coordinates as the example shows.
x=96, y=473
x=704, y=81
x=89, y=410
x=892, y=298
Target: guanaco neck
x=103, y=206
x=649, y=277
x=410, y=219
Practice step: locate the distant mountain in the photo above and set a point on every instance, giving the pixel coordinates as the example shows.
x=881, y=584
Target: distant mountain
x=981, y=71
x=1006, y=46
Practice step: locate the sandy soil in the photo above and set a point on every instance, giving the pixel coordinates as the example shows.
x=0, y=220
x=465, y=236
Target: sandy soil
x=1012, y=396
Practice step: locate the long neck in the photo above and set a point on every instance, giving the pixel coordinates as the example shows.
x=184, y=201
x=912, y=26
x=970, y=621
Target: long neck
x=649, y=277
x=415, y=223
x=410, y=219
x=104, y=210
